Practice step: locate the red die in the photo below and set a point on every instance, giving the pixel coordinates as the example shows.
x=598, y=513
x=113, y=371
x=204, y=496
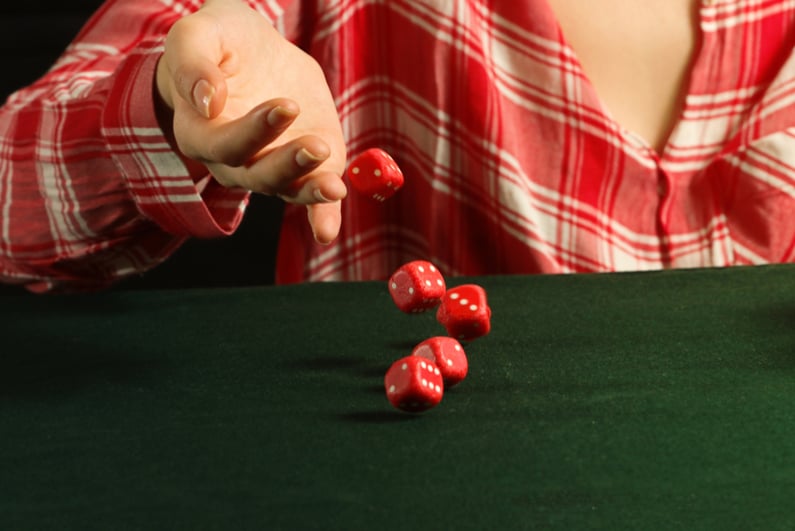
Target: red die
x=465, y=312
x=417, y=286
x=414, y=384
x=374, y=173
x=447, y=353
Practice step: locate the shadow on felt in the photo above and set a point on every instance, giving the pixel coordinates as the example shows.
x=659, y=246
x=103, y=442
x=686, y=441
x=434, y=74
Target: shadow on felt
x=64, y=366
x=363, y=373
x=776, y=323
x=381, y=416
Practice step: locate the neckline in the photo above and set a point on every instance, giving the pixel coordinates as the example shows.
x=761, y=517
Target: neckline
x=628, y=136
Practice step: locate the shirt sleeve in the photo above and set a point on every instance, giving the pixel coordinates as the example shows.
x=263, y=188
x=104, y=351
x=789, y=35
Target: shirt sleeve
x=90, y=189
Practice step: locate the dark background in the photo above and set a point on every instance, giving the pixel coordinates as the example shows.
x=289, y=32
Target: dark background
x=32, y=36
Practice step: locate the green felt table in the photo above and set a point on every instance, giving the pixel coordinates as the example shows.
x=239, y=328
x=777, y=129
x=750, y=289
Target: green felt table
x=617, y=401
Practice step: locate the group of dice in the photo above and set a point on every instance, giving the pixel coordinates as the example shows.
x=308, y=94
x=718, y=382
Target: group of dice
x=417, y=382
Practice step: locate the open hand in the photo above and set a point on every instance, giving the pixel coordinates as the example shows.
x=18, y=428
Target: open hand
x=254, y=109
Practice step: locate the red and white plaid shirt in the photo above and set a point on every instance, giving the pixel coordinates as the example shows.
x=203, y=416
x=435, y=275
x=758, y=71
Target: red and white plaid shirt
x=512, y=163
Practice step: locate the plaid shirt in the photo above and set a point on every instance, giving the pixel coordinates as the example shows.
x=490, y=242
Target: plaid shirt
x=512, y=163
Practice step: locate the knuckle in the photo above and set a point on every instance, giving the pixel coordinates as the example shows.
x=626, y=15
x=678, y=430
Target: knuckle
x=236, y=160
x=257, y=183
x=290, y=192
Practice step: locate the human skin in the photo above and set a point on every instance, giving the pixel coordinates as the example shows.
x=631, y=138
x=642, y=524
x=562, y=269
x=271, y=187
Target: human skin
x=637, y=54
x=255, y=110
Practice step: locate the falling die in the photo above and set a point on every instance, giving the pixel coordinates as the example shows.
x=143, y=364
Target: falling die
x=375, y=173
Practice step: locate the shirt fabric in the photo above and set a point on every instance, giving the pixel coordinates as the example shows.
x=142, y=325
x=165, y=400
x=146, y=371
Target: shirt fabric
x=512, y=162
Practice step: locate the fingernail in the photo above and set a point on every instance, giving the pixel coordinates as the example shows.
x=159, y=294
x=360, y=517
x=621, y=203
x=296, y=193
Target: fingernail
x=279, y=116
x=305, y=158
x=203, y=94
x=320, y=197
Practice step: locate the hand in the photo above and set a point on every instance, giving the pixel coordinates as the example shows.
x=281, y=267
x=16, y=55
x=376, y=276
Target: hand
x=254, y=109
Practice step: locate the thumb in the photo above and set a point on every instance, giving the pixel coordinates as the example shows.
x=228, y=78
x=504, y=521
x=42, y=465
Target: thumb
x=203, y=97
x=192, y=56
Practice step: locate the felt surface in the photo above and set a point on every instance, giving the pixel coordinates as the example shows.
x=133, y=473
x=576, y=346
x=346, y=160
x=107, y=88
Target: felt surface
x=624, y=401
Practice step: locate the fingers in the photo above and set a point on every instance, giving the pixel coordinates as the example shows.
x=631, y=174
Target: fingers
x=229, y=113
x=239, y=153
x=234, y=142
x=325, y=220
x=280, y=171
x=243, y=153
x=295, y=171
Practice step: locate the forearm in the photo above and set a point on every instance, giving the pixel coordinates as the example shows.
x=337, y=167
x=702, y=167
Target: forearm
x=91, y=190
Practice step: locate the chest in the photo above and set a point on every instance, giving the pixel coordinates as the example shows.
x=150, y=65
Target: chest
x=636, y=55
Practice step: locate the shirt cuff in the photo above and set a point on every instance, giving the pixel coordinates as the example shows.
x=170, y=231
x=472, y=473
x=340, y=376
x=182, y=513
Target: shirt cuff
x=159, y=181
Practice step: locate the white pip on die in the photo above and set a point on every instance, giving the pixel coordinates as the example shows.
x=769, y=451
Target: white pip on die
x=414, y=384
x=375, y=173
x=448, y=355
x=465, y=313
x=417, y=286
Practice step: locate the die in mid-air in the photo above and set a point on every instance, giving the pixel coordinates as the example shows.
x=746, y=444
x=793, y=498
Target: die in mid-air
x=414, y=384
x=417, y=286
x=375, y=173
x=464, y=312
x=448, y=354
